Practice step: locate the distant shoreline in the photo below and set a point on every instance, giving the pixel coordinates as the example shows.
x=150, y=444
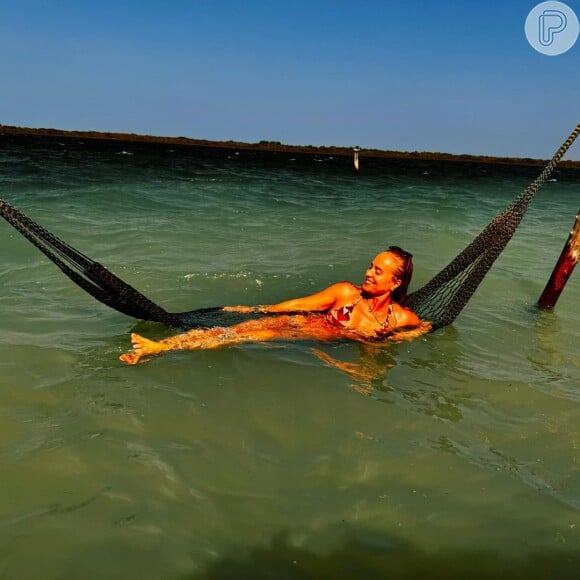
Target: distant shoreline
x=275, y=147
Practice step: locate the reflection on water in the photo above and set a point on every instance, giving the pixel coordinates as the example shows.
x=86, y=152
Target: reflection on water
x=369, y=370
x=456, y=453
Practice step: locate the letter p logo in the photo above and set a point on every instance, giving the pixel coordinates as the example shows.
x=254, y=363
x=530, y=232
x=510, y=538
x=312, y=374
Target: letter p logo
x=552, y=28
x=551, y=23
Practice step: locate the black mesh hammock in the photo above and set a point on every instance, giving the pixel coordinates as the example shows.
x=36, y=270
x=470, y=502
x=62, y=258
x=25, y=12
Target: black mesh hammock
x=445, y=295
x=439, y=301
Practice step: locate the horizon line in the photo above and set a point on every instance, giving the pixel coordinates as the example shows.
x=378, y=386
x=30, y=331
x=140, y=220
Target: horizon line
x=276, y=146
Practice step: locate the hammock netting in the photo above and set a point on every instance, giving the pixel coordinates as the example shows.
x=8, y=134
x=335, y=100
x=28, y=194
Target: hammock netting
x=444, y=296
x=439, y=301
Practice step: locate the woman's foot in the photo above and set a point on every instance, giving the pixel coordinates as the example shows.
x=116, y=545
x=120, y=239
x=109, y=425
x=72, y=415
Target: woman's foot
x=141, y=347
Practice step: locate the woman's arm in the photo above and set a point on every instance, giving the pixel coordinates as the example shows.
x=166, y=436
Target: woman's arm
x=408, y=325
x=319, y=302
x=406, y=318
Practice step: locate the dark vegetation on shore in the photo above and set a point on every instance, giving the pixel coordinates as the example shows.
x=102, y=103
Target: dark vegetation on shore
x=24, y=133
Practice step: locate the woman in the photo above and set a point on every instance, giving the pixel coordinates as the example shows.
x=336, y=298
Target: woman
x=372, y=311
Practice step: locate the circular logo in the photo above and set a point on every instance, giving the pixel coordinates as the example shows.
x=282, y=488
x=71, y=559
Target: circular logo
x=552, y=28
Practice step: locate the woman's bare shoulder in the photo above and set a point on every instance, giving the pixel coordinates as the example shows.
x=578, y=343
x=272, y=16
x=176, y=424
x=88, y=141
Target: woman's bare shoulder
x=406, y=317
x=345, y=290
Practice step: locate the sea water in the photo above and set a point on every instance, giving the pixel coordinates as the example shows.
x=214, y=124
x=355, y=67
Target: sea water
x=460, y=458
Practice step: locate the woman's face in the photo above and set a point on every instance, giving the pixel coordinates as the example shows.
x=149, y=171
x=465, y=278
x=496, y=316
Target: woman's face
x=381, y=276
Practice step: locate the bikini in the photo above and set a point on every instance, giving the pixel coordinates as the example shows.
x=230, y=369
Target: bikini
x=341, y=317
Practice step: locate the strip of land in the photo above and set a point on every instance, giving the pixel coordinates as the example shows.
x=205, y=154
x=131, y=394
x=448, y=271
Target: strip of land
x=272, y=146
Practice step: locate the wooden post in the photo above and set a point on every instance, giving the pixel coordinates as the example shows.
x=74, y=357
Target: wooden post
x=563, y=268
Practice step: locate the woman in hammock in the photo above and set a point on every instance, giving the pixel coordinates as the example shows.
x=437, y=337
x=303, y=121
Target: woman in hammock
x=370, y=312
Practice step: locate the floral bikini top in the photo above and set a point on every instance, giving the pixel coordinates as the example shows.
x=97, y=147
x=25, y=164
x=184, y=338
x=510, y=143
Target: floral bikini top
x=341, y=317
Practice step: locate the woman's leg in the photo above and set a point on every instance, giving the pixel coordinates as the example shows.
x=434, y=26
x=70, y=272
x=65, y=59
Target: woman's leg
x=264, y=329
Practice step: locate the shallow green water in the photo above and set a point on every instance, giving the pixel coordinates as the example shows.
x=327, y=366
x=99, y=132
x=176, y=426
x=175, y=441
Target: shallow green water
x=260, y=461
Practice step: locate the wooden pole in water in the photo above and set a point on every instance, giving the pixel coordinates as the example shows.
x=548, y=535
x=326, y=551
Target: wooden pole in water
x=356, y=151
x=563, y=268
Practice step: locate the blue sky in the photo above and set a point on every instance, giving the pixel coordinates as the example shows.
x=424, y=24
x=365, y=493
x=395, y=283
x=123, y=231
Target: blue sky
x=428, y=75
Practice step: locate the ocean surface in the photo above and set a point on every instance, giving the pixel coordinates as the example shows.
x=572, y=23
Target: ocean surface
x=461, y=459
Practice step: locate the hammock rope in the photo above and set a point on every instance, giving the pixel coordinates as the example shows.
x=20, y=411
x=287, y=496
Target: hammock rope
x=446, y=294
x=90, y=275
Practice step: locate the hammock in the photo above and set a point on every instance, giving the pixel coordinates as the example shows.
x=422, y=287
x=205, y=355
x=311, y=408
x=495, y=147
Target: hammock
x=439, y=301
x=445, y=295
